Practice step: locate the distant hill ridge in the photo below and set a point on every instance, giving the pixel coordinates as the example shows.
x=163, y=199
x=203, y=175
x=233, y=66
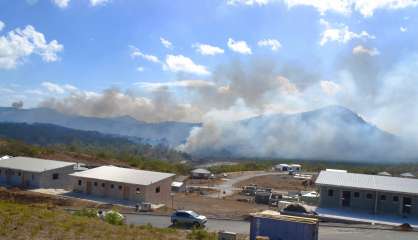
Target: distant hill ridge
x=332, y=132
x=169, y=133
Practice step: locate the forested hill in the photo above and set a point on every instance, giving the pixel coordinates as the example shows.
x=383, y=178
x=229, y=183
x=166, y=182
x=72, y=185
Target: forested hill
x=87, y=142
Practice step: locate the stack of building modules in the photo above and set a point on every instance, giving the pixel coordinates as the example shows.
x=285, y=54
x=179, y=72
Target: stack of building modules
x=276, y=226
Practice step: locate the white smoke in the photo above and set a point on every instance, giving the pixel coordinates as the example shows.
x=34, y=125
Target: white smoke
x=384, y=94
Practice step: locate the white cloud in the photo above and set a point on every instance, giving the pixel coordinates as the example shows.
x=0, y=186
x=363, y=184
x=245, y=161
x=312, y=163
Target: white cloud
x=322, y=6
x=61, y=3
x=206, y=49
x=181, y=83
x=166, y=43
x=21, y=43
x=340, y=33
x=98, y=2
x=59, y=89
x=140, y=69
x=180, y=63
x=2, y=25
x=330, y=88
x=360, y=49
x=53, y=88
x=403, y=29
x=35, y=92
x=367, y=7
x=272, y=43
x=248, y=2
x=345, y=7
x=239, y=46
x=135, y=52
x=70, y=88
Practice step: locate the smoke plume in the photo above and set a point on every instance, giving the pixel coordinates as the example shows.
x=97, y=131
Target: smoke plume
x=383, y=94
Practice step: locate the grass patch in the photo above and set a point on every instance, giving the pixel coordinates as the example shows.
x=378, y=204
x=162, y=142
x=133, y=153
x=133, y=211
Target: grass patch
x=36, y=221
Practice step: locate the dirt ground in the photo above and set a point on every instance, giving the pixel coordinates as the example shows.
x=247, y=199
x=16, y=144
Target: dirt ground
x=213, y=207
x=204, y=182
x=278, y=182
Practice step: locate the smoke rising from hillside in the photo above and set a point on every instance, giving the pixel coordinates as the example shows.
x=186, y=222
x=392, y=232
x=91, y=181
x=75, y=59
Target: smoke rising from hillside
x=385, y=96
x=113, y=102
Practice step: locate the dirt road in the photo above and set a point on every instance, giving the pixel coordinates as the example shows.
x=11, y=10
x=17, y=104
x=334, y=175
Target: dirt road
x=227, y=188
x=340, y=232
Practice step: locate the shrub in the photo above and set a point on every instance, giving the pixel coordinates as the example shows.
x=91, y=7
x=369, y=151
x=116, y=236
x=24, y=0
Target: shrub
x=86, y=212
x=295, y=208
x=114, y=218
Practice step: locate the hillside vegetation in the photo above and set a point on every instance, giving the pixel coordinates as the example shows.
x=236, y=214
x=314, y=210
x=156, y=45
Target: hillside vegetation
x=87, y=141
x=92, y=155
x=20, y=221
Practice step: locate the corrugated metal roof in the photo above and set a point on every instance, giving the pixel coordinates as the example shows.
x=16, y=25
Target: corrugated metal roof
x=32, y=164
x=384, y=174
x=123, y=175
x=407, y=174
x=177, y=184
x=368, y=182
x=201, y=171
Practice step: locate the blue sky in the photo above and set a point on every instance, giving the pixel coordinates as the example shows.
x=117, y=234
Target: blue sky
x=103, y=44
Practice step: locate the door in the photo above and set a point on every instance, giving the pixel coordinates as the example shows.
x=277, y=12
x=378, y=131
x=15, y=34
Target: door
x=126, y=193
x=406, y=205
x=88, y=187
x=8, y=176
x=24, y=182
x=346, y=198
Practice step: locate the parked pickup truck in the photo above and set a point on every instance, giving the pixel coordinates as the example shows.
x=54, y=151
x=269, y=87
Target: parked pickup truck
x=188, y=217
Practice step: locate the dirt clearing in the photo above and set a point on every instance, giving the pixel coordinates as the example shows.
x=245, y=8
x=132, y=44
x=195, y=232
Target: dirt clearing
x=213, y=207
x=278, y=182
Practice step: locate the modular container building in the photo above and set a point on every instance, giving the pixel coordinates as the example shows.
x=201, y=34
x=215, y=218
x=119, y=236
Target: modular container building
x=29, y=172
x=372, y=194
x=125, y=184
x=283, y=227
x=200, y=173
x=178, y=187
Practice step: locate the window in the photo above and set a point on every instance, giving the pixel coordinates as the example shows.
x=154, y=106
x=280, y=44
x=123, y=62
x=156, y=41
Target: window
x=79, y=182
x=103, y=185
x=356, y=194
x=19, y=174
x=55, y=176
x=120, y=187
x=95, y=184
x=33, y=177
x=330, y=192
x=382, y=197
x=112, y=186
x=181, y=214
x=395, y=198
x=157, y=189
x=369, y=196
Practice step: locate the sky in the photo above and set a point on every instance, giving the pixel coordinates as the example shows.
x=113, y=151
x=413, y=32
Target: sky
x=212, y=59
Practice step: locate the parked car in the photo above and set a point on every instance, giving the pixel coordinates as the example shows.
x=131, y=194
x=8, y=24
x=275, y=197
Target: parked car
x=188, y=217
